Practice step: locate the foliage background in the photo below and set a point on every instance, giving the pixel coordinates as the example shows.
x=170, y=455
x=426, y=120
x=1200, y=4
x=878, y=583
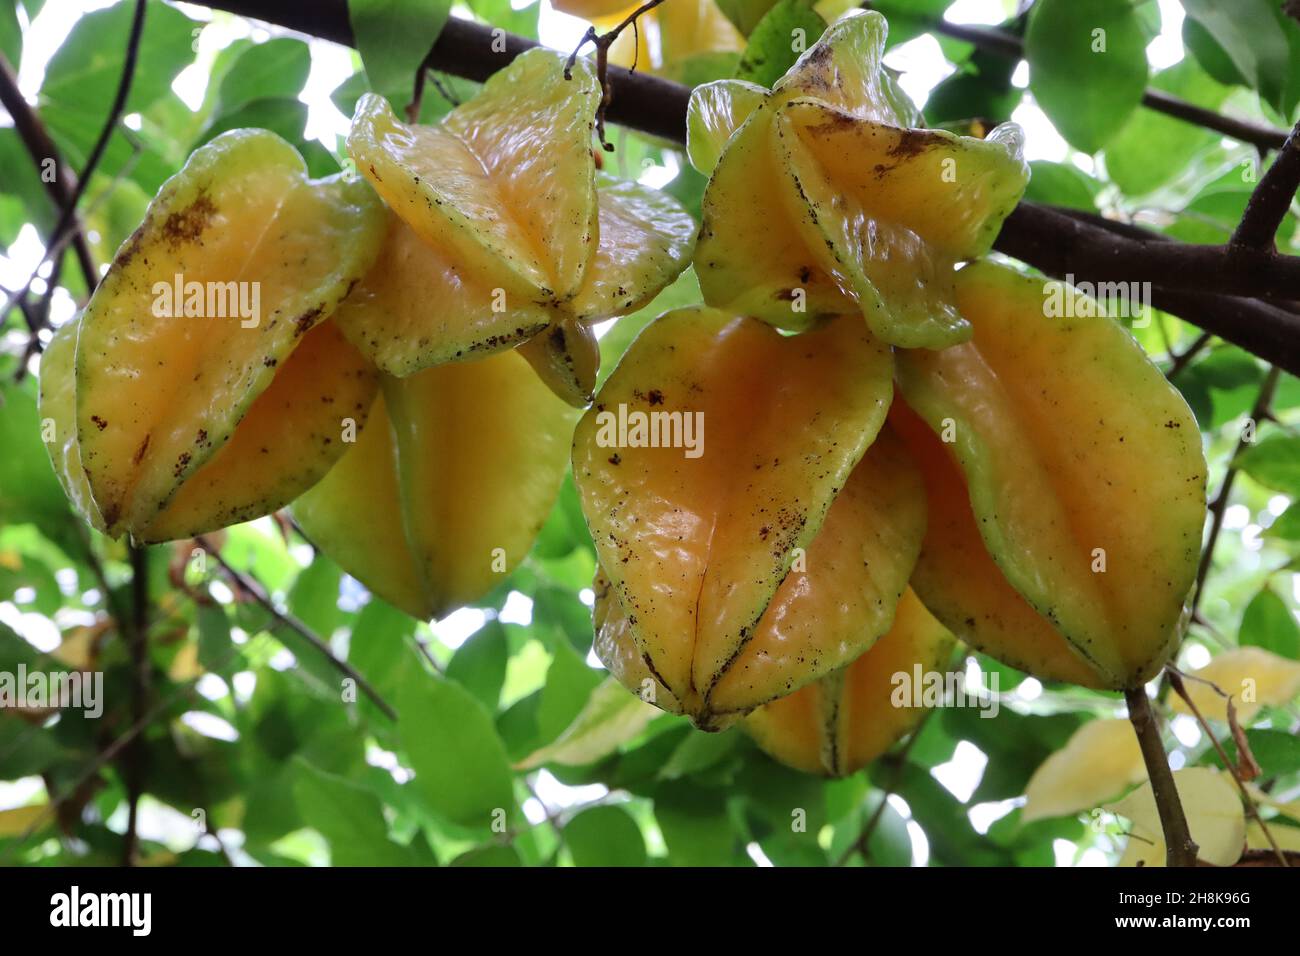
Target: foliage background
x=250, y=755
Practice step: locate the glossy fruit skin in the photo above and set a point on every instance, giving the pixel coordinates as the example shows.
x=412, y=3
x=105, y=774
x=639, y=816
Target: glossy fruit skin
x=874, y=212
x=159, y=395
x=503, y=233
x=698, y=550
x=844, y=721
x=1085, y=480
x=446, y=487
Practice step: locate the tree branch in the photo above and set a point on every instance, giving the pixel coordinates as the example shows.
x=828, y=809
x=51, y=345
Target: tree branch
x=1180, y=848
x=39, y=145
x=1271, y=199
x=254, y=588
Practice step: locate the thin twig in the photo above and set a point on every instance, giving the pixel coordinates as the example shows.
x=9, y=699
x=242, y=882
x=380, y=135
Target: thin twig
x=1271, y=199
x=1180, y=848
x=41, y=148
x=602, y=42
x=1176, y=682
x=1219, y=506
x=1184, y=358
x=254, y=588
x=862, y=843
x=138, y=646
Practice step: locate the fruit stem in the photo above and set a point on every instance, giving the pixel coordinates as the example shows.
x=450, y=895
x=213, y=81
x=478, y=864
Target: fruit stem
x=1180, y=848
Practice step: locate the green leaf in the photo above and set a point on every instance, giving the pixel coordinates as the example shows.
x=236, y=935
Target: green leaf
x=697, y=753
x=11, y=34
x=314, y=597
x=981, y=90
x=1152, y=148
x=1087, y=67
x=82, y=76
x=214, y=637
x=1248, y=34
x=569, y=683
x=695, y=825
x=745, y=14
x=611, y=717
x=1277, y=751
x=492, y=856
x=460, y=763
x=605, y=836
x=1268, y=623
x=1286, y=527
x=1060, y=184
x=479, y=665
x=349, y=817
x=276, y=68
x=1274, y=462
x=785, y=31
x=393, y=38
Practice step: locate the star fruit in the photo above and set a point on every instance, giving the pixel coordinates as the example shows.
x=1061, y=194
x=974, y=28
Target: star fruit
x=504, y=235
x=1067, y=503
x=718, y=593
x=200, y=386
x=841, y=723
x=826, y=198
x=447, y=485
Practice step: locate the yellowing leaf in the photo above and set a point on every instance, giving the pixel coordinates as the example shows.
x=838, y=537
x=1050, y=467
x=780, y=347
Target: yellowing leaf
x=1214, y=816
x=446, y=486
x=1286, y=838
x=1085, y=480
x=1253, y=676
x=1100, y=759
x=697, y=533
x=17, y=821
x=610, y=718
x=164, y=379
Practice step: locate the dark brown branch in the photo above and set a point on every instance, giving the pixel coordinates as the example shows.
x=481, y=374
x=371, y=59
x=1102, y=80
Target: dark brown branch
x=41, y=148
x=254, y=588
x=1219, y=506
x=1001, y=43
x=1269, y=203
x=1180, y=848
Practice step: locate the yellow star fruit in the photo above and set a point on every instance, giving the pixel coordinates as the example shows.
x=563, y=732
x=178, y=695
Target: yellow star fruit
x=1065, y=480
x=844, y=721
x=446, y=487
x=825, y=199
x=195, y=389
x=705, y=470
x=507, y=235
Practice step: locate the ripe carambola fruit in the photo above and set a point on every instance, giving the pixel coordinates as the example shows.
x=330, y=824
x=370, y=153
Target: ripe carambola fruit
x=825, y=199
x=447, y=485
x=847, y=719
x=185, y=421
x=697, y=543
x=1065, y=514
x=504, y=235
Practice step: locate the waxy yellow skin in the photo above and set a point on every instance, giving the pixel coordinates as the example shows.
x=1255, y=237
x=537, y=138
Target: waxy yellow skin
x=290, y=437
x=509, y=234
x=446, y=487
x=844, y=721
x=825, y=199
x=695, y=548
x=1085, y=479
x=158, y=396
